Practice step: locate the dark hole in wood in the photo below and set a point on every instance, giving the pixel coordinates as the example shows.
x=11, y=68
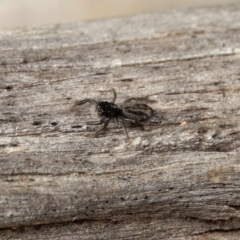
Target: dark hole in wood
x=13, y=144
x=100, y=73
x=36, y=123
x=77, y=126
x=24, y=61
x=9, y=88
x=126, y=80
x=42, y=114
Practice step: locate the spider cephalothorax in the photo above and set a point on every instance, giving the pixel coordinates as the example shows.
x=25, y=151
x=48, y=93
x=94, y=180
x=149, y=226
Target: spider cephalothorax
x=108, y=109
x=131, y=111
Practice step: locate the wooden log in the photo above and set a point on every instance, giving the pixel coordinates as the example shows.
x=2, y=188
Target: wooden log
x=178, y=179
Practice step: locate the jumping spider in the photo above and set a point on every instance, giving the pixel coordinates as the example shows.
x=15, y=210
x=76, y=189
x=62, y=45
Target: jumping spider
x=131, y=111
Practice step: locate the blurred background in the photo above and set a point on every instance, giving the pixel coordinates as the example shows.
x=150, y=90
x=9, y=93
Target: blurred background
x=19, y=13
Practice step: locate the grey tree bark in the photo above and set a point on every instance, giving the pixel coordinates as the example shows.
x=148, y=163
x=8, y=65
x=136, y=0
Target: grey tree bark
x=178, y=179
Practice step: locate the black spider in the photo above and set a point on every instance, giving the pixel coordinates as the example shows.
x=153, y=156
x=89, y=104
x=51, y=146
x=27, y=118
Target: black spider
x=131, y=111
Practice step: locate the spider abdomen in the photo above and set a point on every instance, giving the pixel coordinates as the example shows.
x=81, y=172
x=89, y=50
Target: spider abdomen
x=108, y=109
x=136, y=110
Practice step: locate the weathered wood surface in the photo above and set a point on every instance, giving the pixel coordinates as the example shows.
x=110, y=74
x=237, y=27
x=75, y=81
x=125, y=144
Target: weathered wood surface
x=178, y=179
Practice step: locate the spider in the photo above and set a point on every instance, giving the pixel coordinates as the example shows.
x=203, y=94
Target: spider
x=131, y=111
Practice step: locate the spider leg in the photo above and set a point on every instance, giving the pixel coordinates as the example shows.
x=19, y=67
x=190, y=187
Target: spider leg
x=126, y=131
x=124, y=127
x=114, y=95
x=101, y=129
x=83, y=102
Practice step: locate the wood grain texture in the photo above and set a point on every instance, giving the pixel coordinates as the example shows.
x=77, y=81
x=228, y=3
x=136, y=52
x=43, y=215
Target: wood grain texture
x=178, y=179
